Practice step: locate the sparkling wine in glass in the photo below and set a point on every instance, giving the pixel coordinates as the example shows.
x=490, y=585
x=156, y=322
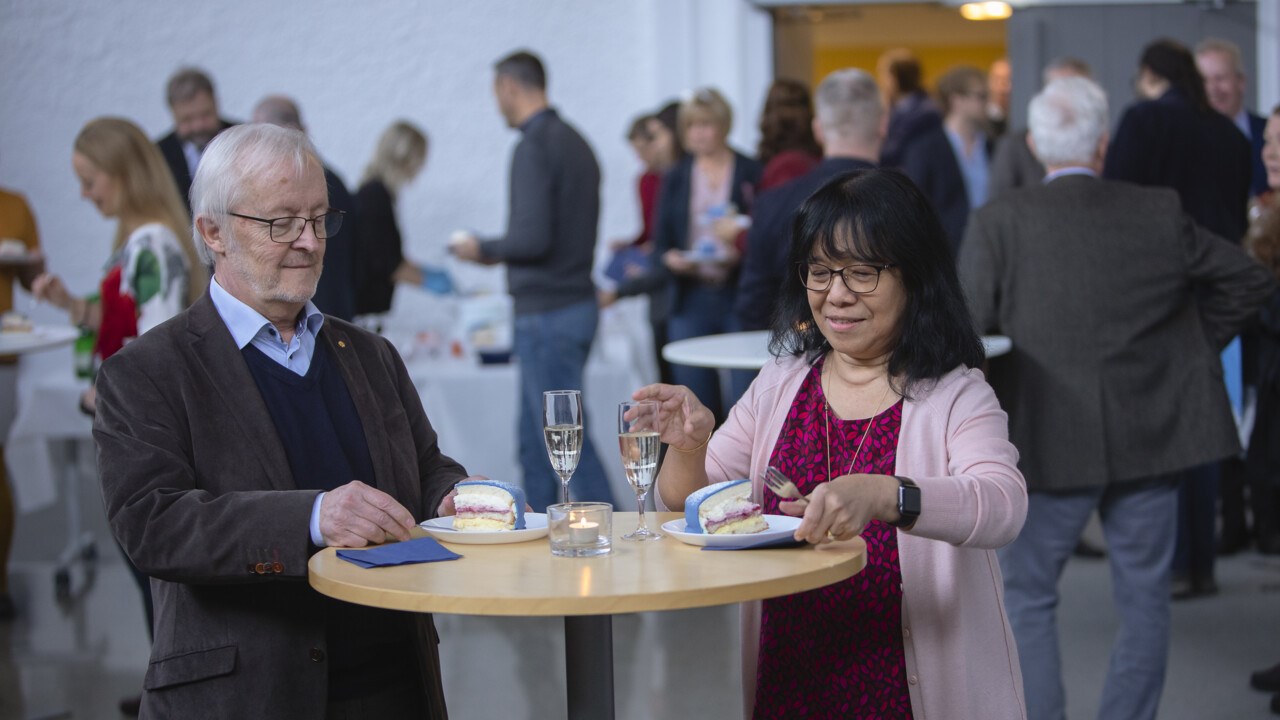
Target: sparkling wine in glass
x=562, y=425
x=639, y=443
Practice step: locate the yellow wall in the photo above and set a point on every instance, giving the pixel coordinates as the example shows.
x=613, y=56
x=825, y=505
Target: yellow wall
x=934, y=60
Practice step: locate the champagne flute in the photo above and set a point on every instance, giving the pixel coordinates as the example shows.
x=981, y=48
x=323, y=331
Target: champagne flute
x=639, y=443
x=562, y=424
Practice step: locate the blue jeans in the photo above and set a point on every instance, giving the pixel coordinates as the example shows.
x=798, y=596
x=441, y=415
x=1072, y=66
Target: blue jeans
x=552, y=349
x=1139, y=522
x=704, y=310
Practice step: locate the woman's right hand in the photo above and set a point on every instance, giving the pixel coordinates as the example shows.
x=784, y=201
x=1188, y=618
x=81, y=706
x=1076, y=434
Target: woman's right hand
x=677, y=263
x=684, y=423
x=49, y=288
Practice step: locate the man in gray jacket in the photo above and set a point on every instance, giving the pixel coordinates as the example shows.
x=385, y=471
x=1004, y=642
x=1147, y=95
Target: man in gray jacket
x=1117, y=304
x=548, y=249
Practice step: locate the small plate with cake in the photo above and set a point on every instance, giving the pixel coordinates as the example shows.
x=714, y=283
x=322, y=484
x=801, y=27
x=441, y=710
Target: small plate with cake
x=16, y=252
x=488, y=512
x=724, y=515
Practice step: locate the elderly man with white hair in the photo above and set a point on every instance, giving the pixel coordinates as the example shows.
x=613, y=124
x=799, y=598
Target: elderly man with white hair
x=1117, y=304
x=239, y=437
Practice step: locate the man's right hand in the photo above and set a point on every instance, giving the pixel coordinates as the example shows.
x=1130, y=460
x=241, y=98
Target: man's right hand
x=356, y=515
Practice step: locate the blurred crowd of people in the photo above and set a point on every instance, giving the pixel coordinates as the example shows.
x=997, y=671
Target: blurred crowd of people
x=1168, y=503
x=1162, y=415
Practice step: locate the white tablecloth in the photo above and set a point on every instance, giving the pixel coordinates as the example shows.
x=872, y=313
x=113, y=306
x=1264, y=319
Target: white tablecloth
x=472, y=407
x=48, y=416
x=474, y=411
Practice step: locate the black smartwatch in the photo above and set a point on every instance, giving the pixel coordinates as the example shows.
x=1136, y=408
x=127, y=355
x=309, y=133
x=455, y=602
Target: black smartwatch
x=908, y=503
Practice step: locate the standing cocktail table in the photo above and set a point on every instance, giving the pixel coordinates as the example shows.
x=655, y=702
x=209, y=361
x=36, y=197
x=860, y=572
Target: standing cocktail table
x=524, y=579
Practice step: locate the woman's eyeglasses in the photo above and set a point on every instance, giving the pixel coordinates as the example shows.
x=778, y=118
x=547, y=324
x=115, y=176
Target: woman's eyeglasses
x=861, y=278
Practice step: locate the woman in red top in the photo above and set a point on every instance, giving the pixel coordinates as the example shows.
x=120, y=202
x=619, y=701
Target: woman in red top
x=787, y=148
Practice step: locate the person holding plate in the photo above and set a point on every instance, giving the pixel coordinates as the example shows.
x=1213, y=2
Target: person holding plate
x=153, y=272
x=17, y=231
x=703, y=202
x=875, y=408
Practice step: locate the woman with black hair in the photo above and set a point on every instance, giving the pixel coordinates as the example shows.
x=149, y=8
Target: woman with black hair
x=875, y=409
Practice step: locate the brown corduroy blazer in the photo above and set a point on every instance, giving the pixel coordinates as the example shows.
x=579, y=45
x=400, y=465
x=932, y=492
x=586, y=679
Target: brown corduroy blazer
x=198, y=490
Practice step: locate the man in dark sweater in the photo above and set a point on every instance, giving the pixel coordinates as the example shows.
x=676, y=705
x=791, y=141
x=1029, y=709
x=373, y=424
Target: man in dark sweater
x=239, y=437
x=548, y=249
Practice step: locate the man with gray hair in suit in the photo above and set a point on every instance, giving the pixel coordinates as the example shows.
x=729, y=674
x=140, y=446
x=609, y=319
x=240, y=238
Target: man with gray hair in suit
x=1117, y=304
x=249, y=431
x=849, y=122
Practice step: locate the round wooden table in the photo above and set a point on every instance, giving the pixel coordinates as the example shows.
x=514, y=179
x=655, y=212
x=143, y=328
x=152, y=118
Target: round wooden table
x=526, y=579
x=750, y=350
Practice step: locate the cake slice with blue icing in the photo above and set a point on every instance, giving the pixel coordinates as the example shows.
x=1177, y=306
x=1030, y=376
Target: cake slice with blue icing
x=485, y=505
x=723, y=508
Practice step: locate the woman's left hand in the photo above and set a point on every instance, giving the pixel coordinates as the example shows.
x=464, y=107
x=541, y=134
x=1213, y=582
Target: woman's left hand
x=842, y=509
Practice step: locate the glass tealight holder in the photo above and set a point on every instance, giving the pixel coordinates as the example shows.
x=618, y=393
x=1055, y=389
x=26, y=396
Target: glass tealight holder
x=580, y=529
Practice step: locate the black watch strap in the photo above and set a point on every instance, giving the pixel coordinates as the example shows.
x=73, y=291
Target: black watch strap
x=908, y=503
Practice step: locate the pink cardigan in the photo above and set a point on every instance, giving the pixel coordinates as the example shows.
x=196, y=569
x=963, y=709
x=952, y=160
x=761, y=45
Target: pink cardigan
x=960, y=653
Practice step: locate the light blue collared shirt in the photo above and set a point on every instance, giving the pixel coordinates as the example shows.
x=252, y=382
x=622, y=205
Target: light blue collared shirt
x=1073, y=170
x=249, y=326
x=1242, y=121
x=974, y=167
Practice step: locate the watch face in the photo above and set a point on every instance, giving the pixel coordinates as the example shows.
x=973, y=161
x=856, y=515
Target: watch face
x=911, y=500
x=908, y=502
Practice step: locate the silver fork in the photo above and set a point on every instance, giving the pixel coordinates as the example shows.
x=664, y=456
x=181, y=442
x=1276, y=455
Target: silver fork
x=782, y=486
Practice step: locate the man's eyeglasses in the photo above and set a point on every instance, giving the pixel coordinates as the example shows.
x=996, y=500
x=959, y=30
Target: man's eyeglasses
x=861, y=278
x=289, y=229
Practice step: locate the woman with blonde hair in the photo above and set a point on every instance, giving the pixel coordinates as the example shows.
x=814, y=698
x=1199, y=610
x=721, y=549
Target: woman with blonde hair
x=153, y=272
x=380, y=263
x=702, y=200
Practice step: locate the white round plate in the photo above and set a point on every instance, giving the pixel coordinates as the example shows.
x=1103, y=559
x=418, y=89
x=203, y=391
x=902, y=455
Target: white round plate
x=535, y=526
x=41, y=337
x=780, y=526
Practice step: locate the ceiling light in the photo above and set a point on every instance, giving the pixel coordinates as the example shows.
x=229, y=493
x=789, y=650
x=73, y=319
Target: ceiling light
x=986, y=11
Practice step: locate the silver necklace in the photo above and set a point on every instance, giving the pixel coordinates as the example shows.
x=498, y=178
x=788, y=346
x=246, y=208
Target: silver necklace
x=826, y=416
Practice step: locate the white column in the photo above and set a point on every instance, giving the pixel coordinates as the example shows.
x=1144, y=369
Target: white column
x=1268, y=49
x=726, y=44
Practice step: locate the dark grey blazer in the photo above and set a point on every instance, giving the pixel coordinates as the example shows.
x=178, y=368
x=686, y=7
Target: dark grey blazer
x=1013, y=165
x=198, y=490
x=1117, y=304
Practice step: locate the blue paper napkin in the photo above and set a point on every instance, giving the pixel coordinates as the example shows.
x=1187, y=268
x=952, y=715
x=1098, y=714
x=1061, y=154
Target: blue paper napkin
x=421, y=550
x=625, y=259
x=785, y=541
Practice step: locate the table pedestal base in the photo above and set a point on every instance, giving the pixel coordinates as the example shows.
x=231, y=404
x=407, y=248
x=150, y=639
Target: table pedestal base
x=588, y=650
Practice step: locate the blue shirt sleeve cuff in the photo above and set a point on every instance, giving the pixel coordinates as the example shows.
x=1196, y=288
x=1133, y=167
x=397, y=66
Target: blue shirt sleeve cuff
x=316, y=538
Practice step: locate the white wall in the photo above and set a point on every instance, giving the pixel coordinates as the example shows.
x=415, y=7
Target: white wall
x=355, y=67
